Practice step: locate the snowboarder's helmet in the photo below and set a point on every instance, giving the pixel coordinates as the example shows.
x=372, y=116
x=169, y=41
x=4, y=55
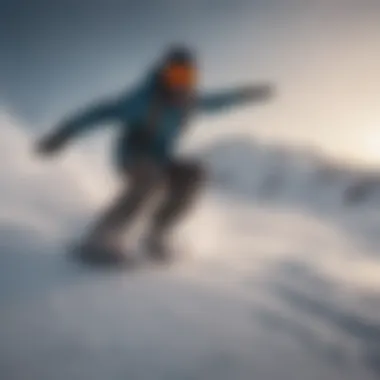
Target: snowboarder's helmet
x=180, y=54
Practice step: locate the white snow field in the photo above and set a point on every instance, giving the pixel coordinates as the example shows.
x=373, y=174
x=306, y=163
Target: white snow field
x=283, y=281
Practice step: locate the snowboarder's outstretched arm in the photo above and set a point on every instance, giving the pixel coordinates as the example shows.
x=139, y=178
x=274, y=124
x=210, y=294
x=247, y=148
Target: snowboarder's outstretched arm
x=81, y=122
x=214, y=102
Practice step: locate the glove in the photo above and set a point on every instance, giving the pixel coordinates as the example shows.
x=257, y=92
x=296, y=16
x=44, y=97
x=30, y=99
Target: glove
x=50, y=144
x=258, y=92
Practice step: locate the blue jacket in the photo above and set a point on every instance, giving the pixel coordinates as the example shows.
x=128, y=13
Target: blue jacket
x=130, y=110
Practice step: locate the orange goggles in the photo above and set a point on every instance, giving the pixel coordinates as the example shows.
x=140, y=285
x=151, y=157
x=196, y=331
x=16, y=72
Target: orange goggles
x=180, y=76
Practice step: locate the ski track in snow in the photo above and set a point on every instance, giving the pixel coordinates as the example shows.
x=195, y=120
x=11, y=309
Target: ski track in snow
x=283, y=281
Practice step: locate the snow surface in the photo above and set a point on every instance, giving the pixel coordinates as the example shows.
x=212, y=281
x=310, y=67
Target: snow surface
x=282, y=283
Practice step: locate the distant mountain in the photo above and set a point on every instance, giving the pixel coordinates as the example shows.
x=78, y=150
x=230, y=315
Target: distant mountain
x=269, y=172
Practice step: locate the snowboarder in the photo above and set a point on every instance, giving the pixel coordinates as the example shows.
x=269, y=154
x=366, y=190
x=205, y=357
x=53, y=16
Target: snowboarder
x=151, y=117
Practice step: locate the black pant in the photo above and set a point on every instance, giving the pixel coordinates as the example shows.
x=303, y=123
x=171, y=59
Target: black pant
x=180, y=182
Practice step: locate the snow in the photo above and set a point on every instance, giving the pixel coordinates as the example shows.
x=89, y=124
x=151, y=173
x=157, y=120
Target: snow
x=280, y=279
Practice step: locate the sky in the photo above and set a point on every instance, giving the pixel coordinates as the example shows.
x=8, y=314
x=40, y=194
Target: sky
x=323, y=57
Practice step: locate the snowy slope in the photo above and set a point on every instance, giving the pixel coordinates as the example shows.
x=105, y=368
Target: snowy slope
x=284, y=283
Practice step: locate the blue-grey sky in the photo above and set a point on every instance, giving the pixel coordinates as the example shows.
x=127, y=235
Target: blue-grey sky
x=323, y=55
x=52, y=50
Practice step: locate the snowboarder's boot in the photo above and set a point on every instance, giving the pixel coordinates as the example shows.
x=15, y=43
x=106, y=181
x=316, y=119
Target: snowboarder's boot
x=157, y=249
x=104, y=252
